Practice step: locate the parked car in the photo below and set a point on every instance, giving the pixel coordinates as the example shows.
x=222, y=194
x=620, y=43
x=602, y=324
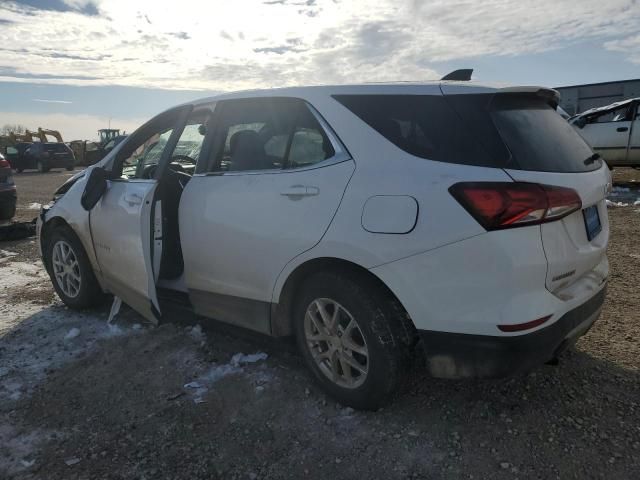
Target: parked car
x=13, y=153
x=42, y=156
x=613, y=131
x=8, y=195
x=460, y=223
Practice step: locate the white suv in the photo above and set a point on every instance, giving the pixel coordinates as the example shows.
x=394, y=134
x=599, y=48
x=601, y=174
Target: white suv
x=462, y=224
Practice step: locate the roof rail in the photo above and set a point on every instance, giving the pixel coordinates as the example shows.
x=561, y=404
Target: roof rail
x=462, y=75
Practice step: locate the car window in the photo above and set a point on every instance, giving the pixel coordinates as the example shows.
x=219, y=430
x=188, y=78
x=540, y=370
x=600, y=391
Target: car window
x=309, y=144
x=269, y=134
x=140, y=163
x=621, y=114
x=187, y=150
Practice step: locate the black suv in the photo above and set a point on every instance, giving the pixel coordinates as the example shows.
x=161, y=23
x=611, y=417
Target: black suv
x=8, y=196
x=41, y=156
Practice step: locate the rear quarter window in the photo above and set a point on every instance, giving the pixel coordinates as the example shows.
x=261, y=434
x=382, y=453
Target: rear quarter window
x=423, y=125
x=504, y=130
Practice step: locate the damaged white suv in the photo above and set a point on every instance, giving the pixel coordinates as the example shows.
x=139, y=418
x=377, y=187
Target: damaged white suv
x=460, y=222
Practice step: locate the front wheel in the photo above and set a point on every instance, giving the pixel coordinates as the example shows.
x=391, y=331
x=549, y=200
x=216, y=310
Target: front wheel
x=70, y=270
x=354, y=337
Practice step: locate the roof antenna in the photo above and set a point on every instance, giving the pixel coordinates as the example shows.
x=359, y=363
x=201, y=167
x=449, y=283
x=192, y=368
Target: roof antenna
x=462, y=75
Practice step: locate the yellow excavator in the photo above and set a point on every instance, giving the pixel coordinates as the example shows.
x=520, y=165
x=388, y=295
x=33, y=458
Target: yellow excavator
x=43, y=132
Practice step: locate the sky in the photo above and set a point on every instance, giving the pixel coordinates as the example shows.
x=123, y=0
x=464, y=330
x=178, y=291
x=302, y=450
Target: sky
x=80, y=65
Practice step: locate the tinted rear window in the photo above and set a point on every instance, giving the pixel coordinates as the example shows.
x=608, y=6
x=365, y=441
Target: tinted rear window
x=423, y=125
x=521, y=132
x=56, y=147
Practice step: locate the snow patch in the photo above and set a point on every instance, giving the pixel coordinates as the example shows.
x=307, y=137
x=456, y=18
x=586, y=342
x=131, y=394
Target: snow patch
x=197, y=334
x=73, y=333
x=616, y=204
x=34, y=206
x=199, y=387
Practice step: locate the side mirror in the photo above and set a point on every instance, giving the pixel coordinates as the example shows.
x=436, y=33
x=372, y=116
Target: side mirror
x=95, y=188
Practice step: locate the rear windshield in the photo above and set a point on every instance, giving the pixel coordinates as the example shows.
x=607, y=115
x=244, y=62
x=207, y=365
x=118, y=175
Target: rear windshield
x=516, y=131
x=56, y=147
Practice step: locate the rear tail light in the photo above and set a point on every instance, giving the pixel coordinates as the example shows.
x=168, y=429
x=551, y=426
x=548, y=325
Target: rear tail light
x=498, y=205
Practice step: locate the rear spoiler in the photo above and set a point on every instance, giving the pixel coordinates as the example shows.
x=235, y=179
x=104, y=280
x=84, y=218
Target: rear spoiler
x=549, y=94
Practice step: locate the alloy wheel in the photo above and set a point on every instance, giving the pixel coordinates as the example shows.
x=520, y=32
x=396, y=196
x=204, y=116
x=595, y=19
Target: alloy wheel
x=336, y=343
x=66, y=269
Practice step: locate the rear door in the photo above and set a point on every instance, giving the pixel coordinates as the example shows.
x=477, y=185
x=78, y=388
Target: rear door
x=121, y=227
x=267, y=194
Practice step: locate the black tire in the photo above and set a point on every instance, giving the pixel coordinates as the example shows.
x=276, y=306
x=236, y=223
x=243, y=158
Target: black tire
x=7, y=212
x=69, y=168
x=388, y=332
x=89, y=293
x=19, y=170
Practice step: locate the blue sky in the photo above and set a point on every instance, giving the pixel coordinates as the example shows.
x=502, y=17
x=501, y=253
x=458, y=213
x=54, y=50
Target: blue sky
x=76, y=64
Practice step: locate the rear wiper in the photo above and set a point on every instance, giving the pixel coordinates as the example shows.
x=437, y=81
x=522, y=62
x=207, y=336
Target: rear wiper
x=592, y=159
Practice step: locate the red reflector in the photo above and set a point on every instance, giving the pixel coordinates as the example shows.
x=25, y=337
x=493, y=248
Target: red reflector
x=518, y=327
x=497, y=205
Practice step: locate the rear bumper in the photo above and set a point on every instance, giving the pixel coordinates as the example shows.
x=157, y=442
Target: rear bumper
x=456, y=355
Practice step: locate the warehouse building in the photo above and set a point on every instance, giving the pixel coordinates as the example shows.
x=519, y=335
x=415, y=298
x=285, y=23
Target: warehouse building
x=578, y=98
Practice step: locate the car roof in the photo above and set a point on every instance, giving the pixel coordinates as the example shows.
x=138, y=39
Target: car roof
x=389, y=88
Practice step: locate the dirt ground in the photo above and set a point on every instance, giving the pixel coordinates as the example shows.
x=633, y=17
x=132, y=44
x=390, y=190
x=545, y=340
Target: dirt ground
x=80, y=399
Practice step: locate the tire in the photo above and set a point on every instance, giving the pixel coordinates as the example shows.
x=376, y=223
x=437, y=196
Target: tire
x=19, y=170
x=85, y=292
x=383, y=330
x=7, y=212
x=69, y=168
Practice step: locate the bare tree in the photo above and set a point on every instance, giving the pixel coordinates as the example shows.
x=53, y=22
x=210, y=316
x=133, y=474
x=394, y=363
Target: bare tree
x=15, y=128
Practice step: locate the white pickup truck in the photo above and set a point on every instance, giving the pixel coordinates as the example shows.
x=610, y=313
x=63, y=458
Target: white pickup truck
x=613, y=131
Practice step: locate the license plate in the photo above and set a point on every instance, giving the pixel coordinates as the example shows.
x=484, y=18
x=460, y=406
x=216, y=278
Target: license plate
x=592, y=221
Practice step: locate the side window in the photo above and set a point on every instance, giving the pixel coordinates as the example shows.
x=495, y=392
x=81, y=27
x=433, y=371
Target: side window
x=141, y=161
x=269, y=134
x=187, y=151
x=310, y=144
x=620, y=114
x=253, y=134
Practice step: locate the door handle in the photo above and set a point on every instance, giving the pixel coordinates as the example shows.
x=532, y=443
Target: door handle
x=300, y=191
x=133, y=198
x=622, y=129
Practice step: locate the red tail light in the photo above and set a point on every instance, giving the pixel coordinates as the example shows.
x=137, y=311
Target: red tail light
x=497, y=205
x=4, y=163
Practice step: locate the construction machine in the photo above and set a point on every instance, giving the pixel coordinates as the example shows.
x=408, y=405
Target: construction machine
x=43, y=132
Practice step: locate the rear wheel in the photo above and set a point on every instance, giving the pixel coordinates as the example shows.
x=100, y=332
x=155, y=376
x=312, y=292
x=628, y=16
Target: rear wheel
x=70, y=270
x=355, y=338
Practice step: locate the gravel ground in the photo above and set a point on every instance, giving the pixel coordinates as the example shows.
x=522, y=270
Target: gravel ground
x=82, y=399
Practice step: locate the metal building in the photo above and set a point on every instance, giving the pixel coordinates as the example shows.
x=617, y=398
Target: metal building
x=578, y=98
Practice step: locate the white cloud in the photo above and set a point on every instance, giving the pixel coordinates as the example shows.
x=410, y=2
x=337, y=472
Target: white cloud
x=42, y=100
x=200, y=44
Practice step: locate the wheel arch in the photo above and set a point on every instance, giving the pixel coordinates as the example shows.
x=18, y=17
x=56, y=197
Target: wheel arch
x=48, y=226
x=281, y=311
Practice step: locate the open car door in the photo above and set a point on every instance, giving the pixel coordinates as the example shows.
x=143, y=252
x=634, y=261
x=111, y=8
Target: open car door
x=121, y=222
